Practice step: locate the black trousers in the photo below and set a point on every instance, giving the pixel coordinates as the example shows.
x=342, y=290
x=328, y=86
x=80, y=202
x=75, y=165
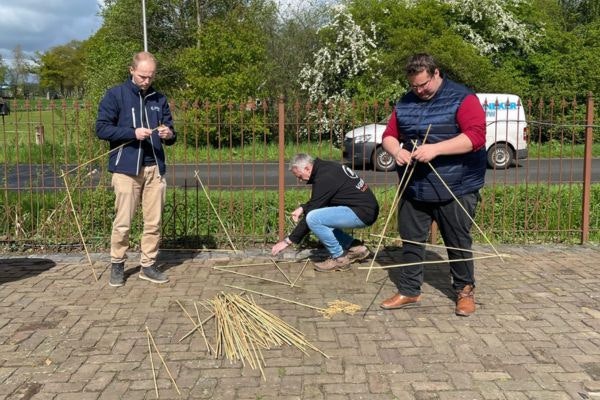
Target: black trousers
x=414, y=223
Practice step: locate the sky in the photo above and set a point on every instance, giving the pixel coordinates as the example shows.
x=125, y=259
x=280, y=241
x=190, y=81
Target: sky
x=39, y=25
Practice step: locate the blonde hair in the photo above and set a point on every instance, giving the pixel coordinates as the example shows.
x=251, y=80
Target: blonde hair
x=142, y=56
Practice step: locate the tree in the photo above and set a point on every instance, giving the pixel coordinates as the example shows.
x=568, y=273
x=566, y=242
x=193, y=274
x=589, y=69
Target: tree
x=229, y=60
x=291, y=41
x=19, y=71
x=346, y=53
x=61, y=69
x=3, y=70
x=172, y=28
x=493, y=26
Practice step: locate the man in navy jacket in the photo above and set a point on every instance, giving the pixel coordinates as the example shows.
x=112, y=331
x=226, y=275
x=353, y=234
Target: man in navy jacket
x=136, y=121
x=340, y=199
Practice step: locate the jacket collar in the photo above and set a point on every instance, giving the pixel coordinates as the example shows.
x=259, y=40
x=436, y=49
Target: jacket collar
x=133, y=87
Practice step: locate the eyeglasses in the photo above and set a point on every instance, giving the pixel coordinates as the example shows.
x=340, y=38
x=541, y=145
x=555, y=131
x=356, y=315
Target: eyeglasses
x=421, y=85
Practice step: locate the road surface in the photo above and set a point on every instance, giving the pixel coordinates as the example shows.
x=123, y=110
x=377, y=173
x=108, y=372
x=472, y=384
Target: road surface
x=266, y=175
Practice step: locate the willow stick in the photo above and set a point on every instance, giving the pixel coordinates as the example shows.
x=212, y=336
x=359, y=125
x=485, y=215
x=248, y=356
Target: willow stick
x=208, y=348
x=94, y=159
x=197, y=175
x=251, y=265
x=463, y=208
x=196, y=327
x=202, y=250
x=186, y=312
x=439, y=246
x=402, y=185
x=277, y=297
x=301, y=272
x=280, y=270
x=430, y=262
x=163, y=360
x=152, y=364
x=87, y=253
x=253, y=276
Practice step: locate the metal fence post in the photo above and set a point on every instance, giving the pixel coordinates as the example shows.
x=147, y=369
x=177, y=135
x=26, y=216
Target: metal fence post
x=587, y=170
x=281, y=182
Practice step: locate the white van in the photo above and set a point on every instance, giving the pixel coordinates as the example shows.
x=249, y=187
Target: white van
x=506, y=136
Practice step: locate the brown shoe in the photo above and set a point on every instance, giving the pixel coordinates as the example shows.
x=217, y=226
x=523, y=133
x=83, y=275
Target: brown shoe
x=358, y=253
x=399, y=301
x=342, y=263
x=465, y=302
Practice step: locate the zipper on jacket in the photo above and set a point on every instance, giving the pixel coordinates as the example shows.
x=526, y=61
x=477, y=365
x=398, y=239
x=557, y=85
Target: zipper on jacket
x=152, y=145
x=137, y=164
x=151, y=141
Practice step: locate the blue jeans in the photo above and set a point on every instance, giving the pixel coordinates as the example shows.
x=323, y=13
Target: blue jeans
x=327, y=224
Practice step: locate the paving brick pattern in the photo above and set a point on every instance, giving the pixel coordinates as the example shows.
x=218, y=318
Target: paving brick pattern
x=535, y=335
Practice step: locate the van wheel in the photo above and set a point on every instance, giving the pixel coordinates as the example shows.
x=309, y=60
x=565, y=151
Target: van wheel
x=382, y=160
x=500, y=156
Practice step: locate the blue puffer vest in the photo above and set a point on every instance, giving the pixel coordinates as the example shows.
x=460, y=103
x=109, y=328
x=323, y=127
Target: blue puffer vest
x=463, y=173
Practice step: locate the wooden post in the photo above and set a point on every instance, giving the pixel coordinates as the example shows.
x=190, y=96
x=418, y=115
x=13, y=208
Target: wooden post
x=587, y=170
x=39, y=134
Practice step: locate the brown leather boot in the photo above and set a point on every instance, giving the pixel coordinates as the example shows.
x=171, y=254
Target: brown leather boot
x=465, y=302
x=400, y=301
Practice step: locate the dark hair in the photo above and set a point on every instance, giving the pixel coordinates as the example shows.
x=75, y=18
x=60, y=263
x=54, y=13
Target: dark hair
x=419, y=63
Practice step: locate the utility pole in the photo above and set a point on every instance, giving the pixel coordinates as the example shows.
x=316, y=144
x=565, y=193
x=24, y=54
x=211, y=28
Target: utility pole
x=144, y=25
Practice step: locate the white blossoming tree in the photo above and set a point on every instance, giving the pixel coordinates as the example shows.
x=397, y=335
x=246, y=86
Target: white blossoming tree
x=492, y=26
x=347, y=53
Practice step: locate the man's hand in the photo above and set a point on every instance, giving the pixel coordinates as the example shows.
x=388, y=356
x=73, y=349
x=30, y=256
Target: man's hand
x=297, y=213
x=279, y=247
x=425, y=153
x=164, y=132
x=402, y=157
x=142, y=133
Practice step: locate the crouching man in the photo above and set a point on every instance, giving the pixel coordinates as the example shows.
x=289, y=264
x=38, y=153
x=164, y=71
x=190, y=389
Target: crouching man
x=339, y=200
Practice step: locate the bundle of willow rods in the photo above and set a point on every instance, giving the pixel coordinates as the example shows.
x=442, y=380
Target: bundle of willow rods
x=243, y=329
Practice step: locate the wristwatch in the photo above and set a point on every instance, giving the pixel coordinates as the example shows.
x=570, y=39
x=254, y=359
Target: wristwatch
x=287, y=240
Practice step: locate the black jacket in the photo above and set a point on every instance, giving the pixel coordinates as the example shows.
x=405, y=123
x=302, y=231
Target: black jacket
x=333, y=185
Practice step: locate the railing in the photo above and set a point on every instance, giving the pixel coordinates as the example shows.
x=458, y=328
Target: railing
x=228, y=177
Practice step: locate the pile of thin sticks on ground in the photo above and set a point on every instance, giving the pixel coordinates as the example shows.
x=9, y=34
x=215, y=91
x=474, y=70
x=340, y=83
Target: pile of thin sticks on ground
x=243, y=330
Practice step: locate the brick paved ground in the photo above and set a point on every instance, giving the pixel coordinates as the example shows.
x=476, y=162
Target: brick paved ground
x=536, y=334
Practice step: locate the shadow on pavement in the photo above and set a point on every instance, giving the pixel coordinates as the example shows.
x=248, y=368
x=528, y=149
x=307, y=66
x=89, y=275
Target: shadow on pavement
x=15, y=269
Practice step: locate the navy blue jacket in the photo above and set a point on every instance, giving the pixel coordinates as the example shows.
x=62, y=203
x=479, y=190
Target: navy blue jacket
x=123, y=109
x=462, y=173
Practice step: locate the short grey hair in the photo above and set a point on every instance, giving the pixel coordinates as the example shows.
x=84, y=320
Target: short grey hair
x=300, y=161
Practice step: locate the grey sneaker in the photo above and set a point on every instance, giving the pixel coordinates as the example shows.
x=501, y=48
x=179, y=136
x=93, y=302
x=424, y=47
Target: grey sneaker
x=358, y=253
x=342, y=263
x=152, y=274
x=117, y=275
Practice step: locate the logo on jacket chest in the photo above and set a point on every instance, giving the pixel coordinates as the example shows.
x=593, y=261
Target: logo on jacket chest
x=360, y=185
x=154, y=108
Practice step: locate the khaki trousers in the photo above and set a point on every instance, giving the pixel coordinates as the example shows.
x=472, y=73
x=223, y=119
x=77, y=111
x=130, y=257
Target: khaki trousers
x=149, y=188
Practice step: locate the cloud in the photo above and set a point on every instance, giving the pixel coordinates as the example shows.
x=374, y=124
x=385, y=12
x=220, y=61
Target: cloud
x=38, y=25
